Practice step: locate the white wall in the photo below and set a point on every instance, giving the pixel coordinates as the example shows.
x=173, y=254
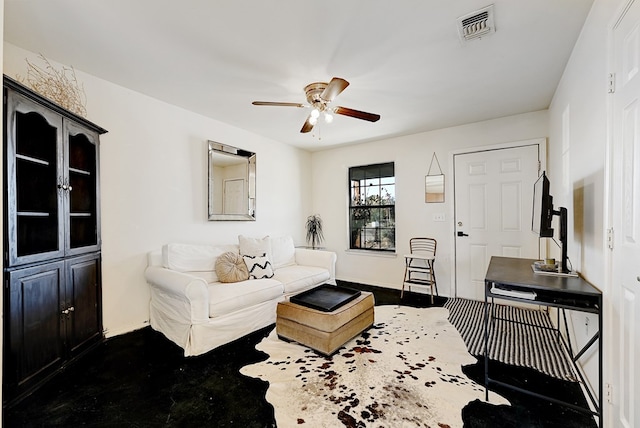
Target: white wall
x=577, y=144
x=154, y=186
x=412, y=156
x=577, y=154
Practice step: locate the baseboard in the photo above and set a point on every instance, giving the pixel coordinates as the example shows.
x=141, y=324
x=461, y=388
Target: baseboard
x=124, y=330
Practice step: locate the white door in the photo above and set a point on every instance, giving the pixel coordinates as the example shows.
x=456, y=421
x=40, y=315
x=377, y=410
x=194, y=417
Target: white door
x=493, y=206
x=625, y=215
x=234, y=197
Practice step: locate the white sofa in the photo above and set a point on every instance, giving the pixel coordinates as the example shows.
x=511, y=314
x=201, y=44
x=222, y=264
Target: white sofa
x=191, y=307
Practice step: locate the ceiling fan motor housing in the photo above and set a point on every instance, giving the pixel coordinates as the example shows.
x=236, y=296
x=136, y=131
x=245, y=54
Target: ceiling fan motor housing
x=313, y=92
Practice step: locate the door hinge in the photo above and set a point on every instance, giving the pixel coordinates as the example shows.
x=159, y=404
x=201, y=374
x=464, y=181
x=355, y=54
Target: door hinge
x=609, y=393
x=539, y=166
x=610, y=238
x=611, y=83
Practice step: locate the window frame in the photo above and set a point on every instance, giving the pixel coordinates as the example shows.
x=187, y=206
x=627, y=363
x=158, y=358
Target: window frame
x=372, y=196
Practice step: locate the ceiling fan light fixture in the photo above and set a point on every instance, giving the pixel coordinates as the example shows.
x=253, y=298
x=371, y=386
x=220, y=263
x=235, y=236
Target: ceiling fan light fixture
x=315, y=113
x=313, y=120
x=328, y=117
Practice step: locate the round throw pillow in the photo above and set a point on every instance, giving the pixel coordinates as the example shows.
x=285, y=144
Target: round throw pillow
x=230, y=267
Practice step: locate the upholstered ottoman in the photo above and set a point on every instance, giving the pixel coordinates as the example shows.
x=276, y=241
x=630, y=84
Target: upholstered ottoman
x=324, y=331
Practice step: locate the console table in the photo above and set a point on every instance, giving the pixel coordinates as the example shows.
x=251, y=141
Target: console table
x=514, y=279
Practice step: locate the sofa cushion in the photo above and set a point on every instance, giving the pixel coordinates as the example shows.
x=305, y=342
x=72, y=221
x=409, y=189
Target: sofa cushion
x=283, y=252
x=299, y=278
x=231, y=297
x=258, y=266
x=230, y=267
x=198, y=260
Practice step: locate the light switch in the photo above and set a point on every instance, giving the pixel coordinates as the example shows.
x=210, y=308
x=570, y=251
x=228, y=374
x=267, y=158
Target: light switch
x=438, y=217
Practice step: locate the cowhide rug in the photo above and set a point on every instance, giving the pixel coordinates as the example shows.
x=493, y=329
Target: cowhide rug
x=404, y=371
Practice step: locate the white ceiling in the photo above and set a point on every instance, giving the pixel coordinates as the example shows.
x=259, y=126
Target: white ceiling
x=403, y=58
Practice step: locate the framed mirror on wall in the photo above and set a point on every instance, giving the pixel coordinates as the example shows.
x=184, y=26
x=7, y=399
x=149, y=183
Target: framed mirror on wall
x=231, y=183
x=434, y=183
x=434, y=188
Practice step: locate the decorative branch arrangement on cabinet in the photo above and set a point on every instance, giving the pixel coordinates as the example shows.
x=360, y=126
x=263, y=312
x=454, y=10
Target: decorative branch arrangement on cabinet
x=51, y=226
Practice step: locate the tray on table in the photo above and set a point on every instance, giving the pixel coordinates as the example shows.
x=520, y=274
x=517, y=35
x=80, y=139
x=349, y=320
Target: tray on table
x=325, y=297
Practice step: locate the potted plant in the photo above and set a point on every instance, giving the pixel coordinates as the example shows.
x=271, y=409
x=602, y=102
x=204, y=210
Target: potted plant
x=314, y=230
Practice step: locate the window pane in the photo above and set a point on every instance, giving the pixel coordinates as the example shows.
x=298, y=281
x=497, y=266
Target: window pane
x=387, y=170
x=387, y=180
x=356, y=238
x=387, y=217
x=373, y=195
x=388, y=194
x=387, y=238
x=357, y=197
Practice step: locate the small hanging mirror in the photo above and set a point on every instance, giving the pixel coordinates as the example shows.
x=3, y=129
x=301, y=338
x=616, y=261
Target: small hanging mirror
x=434, y=183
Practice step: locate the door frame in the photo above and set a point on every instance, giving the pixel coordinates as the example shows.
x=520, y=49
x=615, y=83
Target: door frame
x=541, y=142
x=611, y=385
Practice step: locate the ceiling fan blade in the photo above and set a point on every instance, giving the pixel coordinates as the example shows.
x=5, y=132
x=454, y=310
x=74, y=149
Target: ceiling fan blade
x=334, y=88
x=271, y=103
x=308, y=126
x=371, y=117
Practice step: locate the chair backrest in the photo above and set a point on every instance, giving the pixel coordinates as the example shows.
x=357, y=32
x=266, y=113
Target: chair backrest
x=423, y=245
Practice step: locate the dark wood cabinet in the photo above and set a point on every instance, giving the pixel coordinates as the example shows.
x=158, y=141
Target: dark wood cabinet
x=51, y=225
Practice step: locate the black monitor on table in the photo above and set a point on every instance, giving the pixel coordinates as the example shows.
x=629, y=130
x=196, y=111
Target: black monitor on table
x=542, y=217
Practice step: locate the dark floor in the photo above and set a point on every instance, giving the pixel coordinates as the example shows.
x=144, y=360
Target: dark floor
x=140, y=379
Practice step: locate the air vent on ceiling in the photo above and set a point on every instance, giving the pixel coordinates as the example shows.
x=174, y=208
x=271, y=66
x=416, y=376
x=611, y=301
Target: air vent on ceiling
x=476, y=24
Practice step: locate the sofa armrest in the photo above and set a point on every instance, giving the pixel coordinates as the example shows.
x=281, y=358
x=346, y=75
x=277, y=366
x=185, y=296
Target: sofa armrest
x=319, y=258
x=186, y=296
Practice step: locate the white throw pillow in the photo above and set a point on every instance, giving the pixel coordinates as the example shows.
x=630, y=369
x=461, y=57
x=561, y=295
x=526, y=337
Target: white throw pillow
x=283, y=252
x=255, y=246
x=258, y=266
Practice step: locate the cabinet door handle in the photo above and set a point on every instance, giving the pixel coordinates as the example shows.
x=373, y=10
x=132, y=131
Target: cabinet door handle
x=61, y=184
x=64, y=185
x=68, y=310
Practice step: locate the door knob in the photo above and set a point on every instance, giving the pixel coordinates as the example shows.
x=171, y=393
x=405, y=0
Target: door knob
x=462, y=234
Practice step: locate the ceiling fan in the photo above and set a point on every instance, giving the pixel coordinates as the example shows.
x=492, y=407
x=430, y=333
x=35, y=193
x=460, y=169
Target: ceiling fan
x=319, y=95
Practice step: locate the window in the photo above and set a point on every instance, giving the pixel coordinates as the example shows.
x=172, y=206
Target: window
x=372, y=211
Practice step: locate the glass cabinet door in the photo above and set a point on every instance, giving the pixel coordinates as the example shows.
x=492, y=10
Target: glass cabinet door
x=82, y=221
x=34, y=182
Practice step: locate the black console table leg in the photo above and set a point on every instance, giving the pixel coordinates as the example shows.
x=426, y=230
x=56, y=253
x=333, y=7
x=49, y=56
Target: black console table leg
x=486, y=345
